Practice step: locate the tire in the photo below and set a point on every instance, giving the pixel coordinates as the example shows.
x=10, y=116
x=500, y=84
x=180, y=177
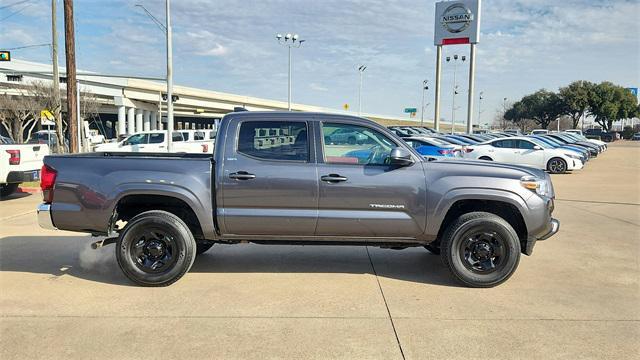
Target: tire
x=480, y=249
x=485, y=158
x=202, y=248
x=7, y=189
x=557, y=166
x=156, y=248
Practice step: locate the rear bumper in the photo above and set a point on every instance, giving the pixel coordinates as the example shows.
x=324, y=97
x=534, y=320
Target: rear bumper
x=23, y=176
x=44, y=217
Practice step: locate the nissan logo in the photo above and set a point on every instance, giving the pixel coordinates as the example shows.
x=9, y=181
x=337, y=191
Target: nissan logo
x=456, y=18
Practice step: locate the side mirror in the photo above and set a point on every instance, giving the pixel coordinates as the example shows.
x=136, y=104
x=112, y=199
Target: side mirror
x=537, y=147
x=400, y=157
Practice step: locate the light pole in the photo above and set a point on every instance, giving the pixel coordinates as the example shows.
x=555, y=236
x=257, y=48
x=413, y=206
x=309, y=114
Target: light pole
x=455, y=89
x=361, y=70
x=169, y=34
x=425, y=87
x=480, y=97
x=290, y=41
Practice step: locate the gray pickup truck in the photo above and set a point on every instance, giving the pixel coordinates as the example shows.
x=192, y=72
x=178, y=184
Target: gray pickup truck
x=282, y=178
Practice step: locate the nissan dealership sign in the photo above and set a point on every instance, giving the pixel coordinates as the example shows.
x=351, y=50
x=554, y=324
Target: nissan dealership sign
x=457, y=22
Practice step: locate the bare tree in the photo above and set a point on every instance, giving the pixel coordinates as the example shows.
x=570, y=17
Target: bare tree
x=19, y=114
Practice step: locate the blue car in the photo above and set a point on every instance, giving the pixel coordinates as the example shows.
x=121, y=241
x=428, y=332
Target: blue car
x=432, y=147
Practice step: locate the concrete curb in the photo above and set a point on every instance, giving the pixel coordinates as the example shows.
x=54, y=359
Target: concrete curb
x=30, y=190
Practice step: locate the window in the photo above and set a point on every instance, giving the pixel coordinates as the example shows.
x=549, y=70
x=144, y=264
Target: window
x=274, y=140
x=353, y=144
x=504, y=144
x=185, y=136
x=177, y=137
x=198, y=135
x=156, y=138
x=212, y=134
x=523, y=144
x=136, y=139
x=14, y=78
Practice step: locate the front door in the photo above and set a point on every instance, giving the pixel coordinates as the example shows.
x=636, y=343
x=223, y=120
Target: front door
x=269, y=179
x=361, y=195
x=526, y=154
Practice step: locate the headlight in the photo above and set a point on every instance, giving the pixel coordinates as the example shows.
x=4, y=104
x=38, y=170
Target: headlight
x=539, y=186
x=574, y=156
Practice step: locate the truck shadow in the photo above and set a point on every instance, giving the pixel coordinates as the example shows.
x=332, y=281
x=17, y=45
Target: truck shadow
x=73, y=256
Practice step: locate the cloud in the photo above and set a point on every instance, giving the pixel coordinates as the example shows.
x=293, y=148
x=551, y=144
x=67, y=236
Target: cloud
x=317, y=87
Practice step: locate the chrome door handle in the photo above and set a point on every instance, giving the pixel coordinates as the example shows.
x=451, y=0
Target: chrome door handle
x=242, y=175
x=333, y=178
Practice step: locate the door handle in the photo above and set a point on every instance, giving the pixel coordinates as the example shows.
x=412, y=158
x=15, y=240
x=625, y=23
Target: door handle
x=242, y=175
x=333, y=178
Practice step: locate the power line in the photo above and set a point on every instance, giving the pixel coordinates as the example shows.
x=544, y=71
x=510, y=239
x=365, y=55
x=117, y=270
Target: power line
x=16, y=12
x=14, y=4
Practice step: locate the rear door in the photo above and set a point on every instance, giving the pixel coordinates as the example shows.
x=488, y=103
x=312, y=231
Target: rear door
x=360, y=194
x=504, y=151
x=269, y=178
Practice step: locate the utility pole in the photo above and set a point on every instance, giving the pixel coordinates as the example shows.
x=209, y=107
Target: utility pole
x=361, y=70
x=70, y=50
x=169, y=80
x=425, y=87
x=57, y=105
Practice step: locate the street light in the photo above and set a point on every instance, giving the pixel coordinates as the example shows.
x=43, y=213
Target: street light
x=361, y=70
x=480, y=97
x=455, y=89
x=166, y=28
x=425, y=87
x=290, y=41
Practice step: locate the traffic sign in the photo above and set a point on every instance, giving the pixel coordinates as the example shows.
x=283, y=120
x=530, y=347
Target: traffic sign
x=410, y=110
x=345, y=106
x=5, y=55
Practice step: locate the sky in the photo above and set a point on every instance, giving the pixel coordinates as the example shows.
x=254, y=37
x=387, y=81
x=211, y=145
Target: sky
x=230, y=46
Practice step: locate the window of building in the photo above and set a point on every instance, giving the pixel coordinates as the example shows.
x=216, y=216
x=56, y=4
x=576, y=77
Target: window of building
x=198, y=135
x=14, y=78
x=274, y=140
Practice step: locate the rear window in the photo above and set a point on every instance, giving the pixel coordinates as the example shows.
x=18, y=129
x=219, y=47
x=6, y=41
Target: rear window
x=198, y=135
x=274, y=140
x=156, y=138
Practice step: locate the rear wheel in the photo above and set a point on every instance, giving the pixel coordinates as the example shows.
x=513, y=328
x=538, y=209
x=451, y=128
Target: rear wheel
x=481, y=249
x=8, y=189
x=557, y=166
x=156, y=248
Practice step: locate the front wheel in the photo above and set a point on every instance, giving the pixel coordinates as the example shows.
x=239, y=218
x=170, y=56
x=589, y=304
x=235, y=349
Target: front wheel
x=156, y=248
x=480, y=249
x=557, y=166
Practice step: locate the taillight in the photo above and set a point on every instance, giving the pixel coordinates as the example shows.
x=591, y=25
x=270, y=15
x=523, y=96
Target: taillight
x=205, y=148
x=445, y=152
x=47, y=182
x=14, y=157
x=468, y=150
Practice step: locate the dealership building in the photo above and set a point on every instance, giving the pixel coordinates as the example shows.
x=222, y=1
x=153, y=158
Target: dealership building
x=133, y=104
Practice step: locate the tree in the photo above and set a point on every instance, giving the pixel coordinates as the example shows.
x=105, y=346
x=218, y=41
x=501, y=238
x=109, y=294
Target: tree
x=575, y=100
x=609, y=103
x=542, y=106
x=19, y=114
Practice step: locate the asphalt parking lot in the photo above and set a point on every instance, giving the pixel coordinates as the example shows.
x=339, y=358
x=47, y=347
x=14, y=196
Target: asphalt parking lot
x=578, y=296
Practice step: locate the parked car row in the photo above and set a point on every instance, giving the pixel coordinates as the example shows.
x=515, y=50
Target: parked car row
x=555, y=152
x=186, y=141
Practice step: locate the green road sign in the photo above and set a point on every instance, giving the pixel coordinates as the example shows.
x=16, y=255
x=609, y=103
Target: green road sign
x=410, y=110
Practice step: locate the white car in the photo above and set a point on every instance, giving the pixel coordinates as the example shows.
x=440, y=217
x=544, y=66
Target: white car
x=525, y=151
x=187, y=141
x=574, y=131
x=18, y=164
x=539, y=132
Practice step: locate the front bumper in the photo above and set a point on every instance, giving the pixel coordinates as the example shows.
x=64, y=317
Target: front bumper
x=552, y=229
x=575, y=164
x=44, y=217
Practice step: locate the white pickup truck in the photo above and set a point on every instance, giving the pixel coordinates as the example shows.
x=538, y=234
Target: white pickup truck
x=184, y=141
x=20, y=163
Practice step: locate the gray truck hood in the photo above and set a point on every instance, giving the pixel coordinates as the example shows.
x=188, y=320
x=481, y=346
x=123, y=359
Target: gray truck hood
x=500, y=169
